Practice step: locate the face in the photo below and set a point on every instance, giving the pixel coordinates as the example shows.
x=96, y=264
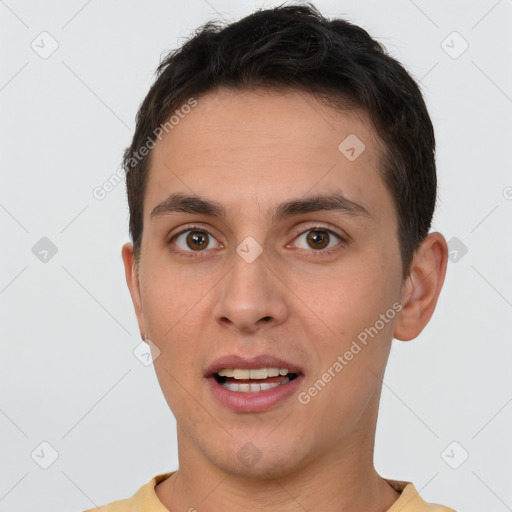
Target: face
x=266, y=277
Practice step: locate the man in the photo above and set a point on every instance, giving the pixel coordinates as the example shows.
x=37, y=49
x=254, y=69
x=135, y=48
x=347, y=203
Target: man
x=281, y=183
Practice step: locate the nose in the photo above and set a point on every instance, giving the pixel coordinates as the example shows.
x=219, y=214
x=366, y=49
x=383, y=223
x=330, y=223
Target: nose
x=251, y=296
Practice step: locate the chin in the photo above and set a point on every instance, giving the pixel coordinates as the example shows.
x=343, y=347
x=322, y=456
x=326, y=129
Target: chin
x=249, y=461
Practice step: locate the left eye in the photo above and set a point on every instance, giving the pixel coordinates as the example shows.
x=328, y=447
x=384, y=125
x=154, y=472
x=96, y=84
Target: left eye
x=318, y=239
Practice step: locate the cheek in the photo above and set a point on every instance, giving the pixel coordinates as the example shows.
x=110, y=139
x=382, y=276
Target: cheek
x=348, y=300
x=357, y=305
x=172, y=302
x=168, y=299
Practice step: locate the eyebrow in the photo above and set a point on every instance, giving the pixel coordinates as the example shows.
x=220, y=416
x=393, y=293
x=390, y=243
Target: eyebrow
x=183, y=203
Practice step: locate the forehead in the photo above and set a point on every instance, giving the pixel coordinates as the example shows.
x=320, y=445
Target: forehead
x=239, y=146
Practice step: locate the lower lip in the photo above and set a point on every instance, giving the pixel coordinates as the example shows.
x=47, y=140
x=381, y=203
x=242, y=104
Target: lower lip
x=257, y=401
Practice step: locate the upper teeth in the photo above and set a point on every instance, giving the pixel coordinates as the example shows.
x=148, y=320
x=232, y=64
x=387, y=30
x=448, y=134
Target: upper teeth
x=255, y=373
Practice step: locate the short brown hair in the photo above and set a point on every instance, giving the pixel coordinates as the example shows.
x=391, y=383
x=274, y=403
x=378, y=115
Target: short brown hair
x=296, y=47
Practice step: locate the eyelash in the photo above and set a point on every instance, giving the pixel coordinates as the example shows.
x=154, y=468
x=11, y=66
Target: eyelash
x=196, y=254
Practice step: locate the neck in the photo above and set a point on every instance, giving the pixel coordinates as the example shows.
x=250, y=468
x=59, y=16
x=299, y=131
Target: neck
x=331, y=482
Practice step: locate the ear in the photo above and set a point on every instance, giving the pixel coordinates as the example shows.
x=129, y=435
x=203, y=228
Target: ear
x=422, y=288
x=132, y=280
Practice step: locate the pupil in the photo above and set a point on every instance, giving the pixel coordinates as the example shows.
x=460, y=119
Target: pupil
x=317, y=237
x=196, y=238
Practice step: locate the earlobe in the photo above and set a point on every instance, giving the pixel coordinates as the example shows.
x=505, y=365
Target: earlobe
x=132, y=280
x=422, y=288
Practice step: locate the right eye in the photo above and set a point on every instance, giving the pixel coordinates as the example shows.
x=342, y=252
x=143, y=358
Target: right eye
x=194, y=240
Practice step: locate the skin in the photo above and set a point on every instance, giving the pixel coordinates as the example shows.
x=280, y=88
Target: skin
x=250, y=151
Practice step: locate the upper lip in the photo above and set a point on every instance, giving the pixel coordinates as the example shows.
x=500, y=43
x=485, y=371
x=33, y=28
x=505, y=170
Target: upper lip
x=261, y=361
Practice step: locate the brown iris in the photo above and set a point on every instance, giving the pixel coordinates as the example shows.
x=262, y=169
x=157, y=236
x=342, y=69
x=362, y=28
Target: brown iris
x=197, y=238
x=318, y=239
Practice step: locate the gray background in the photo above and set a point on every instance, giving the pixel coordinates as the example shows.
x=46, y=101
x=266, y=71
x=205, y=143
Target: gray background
x=68, y=373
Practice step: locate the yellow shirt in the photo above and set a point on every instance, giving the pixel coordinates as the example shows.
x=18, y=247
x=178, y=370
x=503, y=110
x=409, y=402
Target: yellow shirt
x=146, y=500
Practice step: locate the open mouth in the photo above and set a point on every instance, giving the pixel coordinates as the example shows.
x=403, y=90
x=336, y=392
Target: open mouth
x=253, y=380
